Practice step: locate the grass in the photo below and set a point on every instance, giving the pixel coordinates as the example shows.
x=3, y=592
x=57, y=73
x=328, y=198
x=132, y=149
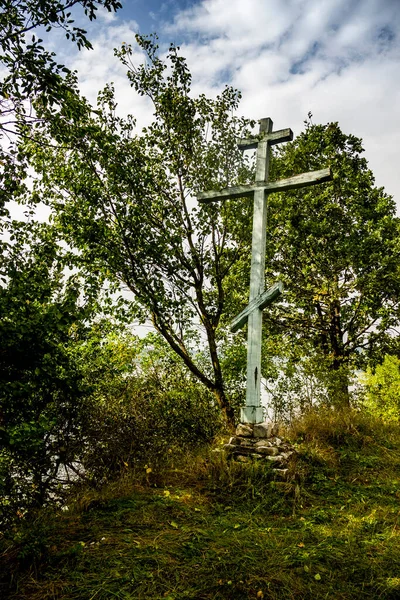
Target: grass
x=217, y=530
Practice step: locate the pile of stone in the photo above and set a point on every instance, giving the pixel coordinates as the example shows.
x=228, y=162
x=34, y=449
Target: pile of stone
x=261, y=442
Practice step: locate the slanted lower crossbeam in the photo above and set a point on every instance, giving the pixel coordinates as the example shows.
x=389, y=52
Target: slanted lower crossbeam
x=259, y=303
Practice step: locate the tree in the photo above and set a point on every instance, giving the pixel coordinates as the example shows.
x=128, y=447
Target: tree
x=337, y=250
x=45, y=319
x=126, y=202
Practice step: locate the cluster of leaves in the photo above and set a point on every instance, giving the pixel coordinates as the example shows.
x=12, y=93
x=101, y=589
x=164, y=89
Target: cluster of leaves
x=45, y=315
x=79, y=399
x=145, y=408
x=43, y=322
x=31, y=69
x=382, y=385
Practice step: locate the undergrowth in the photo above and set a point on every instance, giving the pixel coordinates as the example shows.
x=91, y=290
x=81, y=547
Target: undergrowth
x=209, y=529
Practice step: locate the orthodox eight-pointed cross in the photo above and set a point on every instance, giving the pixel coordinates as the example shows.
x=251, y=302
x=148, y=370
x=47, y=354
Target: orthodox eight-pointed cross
x=259, y=299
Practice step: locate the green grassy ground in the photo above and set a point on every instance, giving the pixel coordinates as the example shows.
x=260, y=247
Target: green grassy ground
x=213, y=530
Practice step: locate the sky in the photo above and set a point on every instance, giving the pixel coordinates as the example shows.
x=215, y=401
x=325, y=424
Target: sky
x=338, y=59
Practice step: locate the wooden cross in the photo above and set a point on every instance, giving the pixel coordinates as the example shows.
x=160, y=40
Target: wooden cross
x=259, y=299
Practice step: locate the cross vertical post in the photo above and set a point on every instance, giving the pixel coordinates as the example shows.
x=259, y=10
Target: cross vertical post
x=253, y=412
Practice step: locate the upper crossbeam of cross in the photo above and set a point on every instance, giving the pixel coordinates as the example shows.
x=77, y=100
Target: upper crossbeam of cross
x=266, y=138
x=259, y=299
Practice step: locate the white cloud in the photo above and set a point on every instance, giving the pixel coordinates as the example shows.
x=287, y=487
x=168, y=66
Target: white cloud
x=99, y=66
x=106, y=16
x=337, y=58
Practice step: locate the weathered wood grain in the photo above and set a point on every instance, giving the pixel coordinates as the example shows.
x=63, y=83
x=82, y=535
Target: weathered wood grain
x=258, y=303
x=282, y=185
x=259, y=299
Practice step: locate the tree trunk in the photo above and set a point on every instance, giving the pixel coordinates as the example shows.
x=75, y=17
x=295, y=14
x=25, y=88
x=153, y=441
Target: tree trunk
x=339, y=380
x=218, y=389
x=226, y=408
x=339, y=383
x=216, y=386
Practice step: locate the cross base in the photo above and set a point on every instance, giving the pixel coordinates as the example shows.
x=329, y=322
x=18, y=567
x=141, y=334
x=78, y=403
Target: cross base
x=252, y=414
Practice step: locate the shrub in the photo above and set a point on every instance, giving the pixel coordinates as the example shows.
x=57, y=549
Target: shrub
x=383, y=388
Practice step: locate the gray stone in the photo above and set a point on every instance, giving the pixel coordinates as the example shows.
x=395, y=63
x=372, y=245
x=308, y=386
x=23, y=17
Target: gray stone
x=241, y=449
x=278, y=460
x=242, y=459
x=287, y=455
x=268, y=451
x=263, y=444
x=262, y=430
x=246, y=441
x=243, y=430
x=234, y=440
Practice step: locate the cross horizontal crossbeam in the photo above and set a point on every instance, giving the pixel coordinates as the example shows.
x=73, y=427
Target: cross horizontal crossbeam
x=283, y=185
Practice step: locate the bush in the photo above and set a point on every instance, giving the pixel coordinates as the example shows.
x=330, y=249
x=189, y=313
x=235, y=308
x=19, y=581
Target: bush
x=161, y=411
x=43, y=324
x=338, y=429
x=383, y=389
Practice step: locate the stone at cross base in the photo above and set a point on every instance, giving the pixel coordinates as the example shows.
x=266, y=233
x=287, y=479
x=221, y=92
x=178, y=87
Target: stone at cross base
x=262, y=442
x=253, y=412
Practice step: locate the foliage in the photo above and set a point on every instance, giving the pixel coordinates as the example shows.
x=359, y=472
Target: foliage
x=30, y=70
x=126, y=202
x=44, y=319
x=382, y=385
x=156, y=411
x=80, y=399
x=294, y=383
x=348, y=427
x=336, y=248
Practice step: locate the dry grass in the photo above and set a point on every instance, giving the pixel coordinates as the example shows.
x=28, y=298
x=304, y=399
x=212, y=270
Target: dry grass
x=212, y=530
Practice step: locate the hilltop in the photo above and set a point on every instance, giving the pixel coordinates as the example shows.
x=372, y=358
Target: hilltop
x=210, y=529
